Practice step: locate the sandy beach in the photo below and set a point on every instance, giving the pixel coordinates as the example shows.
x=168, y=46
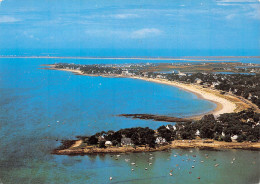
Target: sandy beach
x=226, y=103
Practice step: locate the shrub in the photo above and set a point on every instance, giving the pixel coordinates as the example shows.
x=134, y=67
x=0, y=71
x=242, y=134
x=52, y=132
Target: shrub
x=241, y=138
x=227, y=138
x=102, y=144
x=115, y=142
x=251, y=138
x=92, y=140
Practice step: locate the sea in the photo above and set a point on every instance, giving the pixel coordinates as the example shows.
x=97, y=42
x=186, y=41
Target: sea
x=39, y=108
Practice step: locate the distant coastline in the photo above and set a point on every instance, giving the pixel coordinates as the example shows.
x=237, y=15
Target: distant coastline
x=184, y=58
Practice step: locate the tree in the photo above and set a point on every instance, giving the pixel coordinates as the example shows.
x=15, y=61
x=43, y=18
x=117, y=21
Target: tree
x=251, y=138
x=115, y=143
x=165, y=133
x=241, y=138
x=92, y=140
x=227, y=138
x=102, y=144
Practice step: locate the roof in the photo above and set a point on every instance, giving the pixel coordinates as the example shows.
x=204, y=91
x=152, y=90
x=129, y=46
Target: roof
x=126, y=141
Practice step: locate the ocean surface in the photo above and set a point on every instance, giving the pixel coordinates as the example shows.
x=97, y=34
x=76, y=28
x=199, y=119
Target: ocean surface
x=39, y=108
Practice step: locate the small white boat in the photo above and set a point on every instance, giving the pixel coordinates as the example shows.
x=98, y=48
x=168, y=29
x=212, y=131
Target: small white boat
x=193, y=166
x=146, y=168
x=170, y=174
x=110, y=178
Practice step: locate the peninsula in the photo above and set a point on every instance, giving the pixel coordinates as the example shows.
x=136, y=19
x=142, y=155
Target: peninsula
x=228, y=131
x=234, y=124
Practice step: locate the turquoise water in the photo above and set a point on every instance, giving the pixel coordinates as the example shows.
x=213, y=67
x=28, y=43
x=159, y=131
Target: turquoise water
x=31, y=99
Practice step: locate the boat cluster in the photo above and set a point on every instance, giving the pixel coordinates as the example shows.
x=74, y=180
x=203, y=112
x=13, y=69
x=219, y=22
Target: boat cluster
x=171, y=172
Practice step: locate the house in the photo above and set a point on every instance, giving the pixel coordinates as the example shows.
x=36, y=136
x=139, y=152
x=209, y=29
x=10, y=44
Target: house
x=198, y=81
x=160, y=140
x=214, y=84
x=197, y=133
x=101, y=138
x=170, y=127
x=234, y=137
x=126, y=142
x=159, y=76
x=108, y=143
x=181, y=74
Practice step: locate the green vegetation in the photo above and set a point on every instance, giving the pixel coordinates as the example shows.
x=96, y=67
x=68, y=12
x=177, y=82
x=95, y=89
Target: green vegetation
x=242, y=126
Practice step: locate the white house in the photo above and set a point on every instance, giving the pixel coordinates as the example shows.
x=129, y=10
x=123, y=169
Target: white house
x=197, y=133
x=160, y=140
x=181, y=74
x=108, y=143
x=198, y=81
x=170, y=127
x=214, y=84
x=234, y=137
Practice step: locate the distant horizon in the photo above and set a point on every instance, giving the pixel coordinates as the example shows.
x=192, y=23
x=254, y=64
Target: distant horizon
x=106, y=52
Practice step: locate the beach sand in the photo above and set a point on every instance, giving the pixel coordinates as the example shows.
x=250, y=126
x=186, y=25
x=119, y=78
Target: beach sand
x=225, y=103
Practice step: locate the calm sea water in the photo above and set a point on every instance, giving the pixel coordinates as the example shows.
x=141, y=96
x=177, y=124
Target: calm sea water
x=31, y=99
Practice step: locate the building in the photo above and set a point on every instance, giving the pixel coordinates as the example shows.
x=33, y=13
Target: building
x=160, y=140
x=108, y=143
x=126, y=142
x=198, y=81
x=171, y=127
x=234, y=137
x=197, y=133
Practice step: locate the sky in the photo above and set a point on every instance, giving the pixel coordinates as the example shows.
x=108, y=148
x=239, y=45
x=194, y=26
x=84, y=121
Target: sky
x=184, y=25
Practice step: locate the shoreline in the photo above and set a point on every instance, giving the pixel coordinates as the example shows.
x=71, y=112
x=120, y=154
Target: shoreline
x=225, y=103
x=209, y=144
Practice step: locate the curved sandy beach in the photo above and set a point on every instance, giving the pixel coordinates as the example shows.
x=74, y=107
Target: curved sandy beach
x=226, y=103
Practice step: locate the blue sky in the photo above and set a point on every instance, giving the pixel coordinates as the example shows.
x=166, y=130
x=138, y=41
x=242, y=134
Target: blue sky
x=128, y=24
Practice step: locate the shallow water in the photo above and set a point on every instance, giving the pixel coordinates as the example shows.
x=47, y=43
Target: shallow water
x=31, y=99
